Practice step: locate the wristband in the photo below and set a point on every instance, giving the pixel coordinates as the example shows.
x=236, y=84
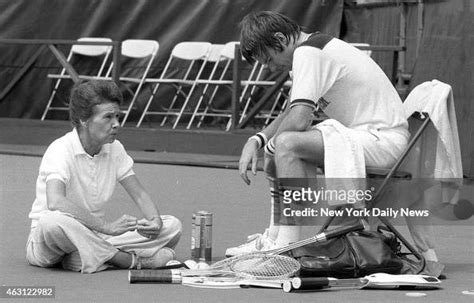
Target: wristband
x=270, y=148
x=261, y=139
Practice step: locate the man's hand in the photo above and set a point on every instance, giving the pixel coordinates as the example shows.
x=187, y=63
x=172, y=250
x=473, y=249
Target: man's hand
x=121, y=225
x=150, y=228
x=249, y=156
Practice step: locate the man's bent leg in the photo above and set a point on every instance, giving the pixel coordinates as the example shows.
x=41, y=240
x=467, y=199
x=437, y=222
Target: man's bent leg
x=294, y=152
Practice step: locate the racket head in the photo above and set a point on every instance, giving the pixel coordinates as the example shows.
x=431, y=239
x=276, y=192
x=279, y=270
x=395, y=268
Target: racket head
x=261, y=266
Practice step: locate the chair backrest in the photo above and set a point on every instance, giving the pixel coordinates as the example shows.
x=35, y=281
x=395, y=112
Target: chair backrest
x=187, y=51
x=137, y=48
x=143, y=50
x=92, y=50
x=96, y=58
x=191, y=50
x=215, y=53
x=140, y=54
x=229, y=50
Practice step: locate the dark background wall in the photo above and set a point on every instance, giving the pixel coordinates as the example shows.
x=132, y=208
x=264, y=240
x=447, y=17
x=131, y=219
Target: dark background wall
x=445, y=51
x=167, y=21
x=444, y=48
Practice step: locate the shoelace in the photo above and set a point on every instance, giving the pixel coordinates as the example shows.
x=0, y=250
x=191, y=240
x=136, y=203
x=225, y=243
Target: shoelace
x=259, y=240
x=253, y=237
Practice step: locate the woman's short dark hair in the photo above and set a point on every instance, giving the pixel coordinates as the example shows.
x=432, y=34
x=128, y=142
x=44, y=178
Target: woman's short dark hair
x=85, y=95
x=258, y=30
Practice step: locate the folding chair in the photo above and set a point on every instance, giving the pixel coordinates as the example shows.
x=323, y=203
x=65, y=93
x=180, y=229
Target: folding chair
x=137, y=58
x=419, y=112
x=387, y=175
x=215, y=57
x=254, y=84
x=227, y=56
x=193, y=55
x=279, y=104
x=220, y=76
x=98, y=54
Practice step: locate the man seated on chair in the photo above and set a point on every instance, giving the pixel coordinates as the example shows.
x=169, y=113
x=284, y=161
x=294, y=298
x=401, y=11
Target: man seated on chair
x=77, y=178
x=328, y=73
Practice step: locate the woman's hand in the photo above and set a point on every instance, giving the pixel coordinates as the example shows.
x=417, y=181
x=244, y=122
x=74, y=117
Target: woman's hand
x=249, y=156
x=121, y=225
x=150, y=228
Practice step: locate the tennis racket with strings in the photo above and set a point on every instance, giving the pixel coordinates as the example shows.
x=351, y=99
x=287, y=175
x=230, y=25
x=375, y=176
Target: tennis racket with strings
x=377, y=280
x=260, y=266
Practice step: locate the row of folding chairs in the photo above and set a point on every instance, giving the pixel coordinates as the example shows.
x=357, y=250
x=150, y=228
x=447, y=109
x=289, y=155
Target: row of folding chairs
x=137, y=57
x=193, y=88
x=199, y=91
x=196, y=71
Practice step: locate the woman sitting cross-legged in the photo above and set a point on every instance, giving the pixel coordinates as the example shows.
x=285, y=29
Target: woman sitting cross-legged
x=77, y=178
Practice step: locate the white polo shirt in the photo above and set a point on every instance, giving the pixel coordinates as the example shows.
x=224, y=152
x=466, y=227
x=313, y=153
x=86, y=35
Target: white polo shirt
x=347, y=85
x=90, y=181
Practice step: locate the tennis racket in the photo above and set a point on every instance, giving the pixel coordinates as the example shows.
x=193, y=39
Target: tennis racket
x=266, y=265
x=222, y=283
x=317, y=283
x=255, y=266
x=378, y=280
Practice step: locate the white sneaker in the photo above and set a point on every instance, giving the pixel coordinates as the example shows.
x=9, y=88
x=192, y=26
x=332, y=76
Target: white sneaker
x=255, y=243
x=160, y=258
x=430, y=255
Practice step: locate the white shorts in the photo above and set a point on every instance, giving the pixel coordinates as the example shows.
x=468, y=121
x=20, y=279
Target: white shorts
x=381, y=148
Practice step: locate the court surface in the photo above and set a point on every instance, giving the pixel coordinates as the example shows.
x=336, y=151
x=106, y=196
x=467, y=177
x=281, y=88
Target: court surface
x=239, y=210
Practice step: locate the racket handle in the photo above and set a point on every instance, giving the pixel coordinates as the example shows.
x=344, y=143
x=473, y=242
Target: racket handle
x=306, y=283
x=336, y=232
x=315, y=283
x=154, y=276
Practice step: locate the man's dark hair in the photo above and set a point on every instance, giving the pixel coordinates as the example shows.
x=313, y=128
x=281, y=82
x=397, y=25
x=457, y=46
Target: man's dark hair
x=258, y=30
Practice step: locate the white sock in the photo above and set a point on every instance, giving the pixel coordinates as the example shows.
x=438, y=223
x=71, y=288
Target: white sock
x=273, y=229
x=134, y=261
x=274, y=202
x=430, y=255
x=288, y=234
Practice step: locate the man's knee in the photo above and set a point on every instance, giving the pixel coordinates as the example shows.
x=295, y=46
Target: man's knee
x=307, y=146
x=285, y=145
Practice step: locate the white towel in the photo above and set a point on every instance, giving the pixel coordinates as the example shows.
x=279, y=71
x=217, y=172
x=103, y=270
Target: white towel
x=437, y=154
x=436, y=99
